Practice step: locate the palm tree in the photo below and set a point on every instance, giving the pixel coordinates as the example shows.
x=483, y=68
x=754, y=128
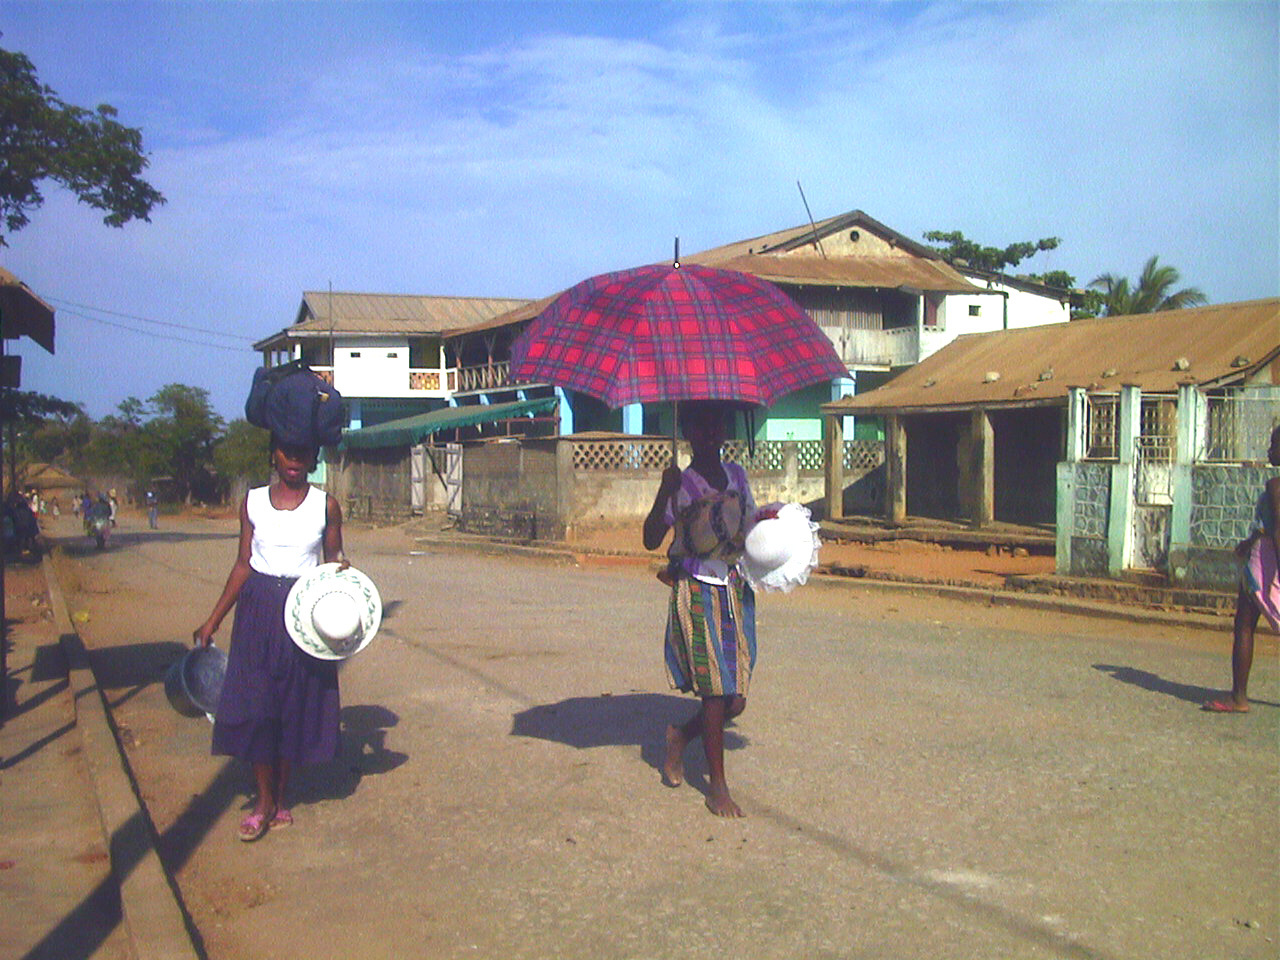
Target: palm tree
x=1153, y=292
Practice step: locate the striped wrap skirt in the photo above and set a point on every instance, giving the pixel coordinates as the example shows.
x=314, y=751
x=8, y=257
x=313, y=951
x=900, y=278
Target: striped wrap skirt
x=711, y=637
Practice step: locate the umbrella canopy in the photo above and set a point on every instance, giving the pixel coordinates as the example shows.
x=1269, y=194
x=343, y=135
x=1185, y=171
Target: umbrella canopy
x=666, y=332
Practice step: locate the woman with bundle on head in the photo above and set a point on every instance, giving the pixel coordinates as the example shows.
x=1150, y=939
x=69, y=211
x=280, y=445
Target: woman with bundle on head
x=279, y=706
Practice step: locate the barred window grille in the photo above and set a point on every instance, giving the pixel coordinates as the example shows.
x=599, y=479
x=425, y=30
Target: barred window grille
x=1239, y=424
x=1102, y=426
x=1158, y=432
x=769, y=455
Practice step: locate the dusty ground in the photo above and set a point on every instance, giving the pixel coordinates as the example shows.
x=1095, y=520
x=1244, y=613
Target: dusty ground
x=922, y=778
x=899, y=558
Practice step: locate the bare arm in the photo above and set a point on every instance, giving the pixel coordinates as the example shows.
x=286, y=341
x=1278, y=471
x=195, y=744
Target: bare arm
x=655, y=524
x=240, y=570
x=1273, y=495
x=333, y=532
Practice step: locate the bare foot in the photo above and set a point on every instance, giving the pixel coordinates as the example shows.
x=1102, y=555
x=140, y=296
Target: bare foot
x=673, y=766
x=721, y=804
x=1226, y=706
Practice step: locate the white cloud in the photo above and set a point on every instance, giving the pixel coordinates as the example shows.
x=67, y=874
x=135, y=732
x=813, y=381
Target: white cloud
x=384, y=158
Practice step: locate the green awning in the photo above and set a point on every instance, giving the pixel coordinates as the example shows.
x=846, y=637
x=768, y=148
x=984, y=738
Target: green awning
x=410, y=430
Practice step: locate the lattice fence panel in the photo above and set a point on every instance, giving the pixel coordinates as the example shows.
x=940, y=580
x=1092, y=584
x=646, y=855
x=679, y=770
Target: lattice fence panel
x=769, y=454
x=621, y=454
x=861, y=455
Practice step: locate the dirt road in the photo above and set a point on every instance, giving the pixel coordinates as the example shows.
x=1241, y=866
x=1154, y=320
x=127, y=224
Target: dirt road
x=922, y=778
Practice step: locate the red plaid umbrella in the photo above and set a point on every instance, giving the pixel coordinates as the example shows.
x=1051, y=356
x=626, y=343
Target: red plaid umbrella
x=666, y=332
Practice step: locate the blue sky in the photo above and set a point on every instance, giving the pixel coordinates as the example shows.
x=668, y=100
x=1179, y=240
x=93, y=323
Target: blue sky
x=511, y=149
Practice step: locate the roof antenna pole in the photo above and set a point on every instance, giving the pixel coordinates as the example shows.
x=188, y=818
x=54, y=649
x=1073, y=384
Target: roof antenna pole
x=331, y=343
x=676, y=262
x=816, y=242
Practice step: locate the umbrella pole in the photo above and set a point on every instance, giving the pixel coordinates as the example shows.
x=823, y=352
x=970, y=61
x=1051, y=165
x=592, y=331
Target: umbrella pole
x=675, y=429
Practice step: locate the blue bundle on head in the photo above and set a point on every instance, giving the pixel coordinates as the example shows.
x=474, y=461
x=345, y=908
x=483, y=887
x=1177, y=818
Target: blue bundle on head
x=296, y=404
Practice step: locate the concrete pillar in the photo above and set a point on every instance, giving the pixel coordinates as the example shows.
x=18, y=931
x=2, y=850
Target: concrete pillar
x=566, y=411
x=895, y=468
x=1193, y=412
x=1077, y=424
x=1077, y=446
x=845, y=387
x=977, y=470
x=833, y=466
x=633, y=419
x=1120, y=514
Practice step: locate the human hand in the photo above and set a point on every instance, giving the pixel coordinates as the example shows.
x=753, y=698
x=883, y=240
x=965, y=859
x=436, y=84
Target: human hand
x=203, y=635
x=343, y=563
x=1244, y=547
x=670, y=481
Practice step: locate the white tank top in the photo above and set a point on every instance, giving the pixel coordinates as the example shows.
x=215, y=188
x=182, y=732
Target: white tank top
x=286, y=543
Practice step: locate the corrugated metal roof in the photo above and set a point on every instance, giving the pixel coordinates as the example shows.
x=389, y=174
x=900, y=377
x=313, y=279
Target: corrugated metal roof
x=891, y=272
x=394, y=313
x=1037, y=364
x=793, y=256
x=781, y=257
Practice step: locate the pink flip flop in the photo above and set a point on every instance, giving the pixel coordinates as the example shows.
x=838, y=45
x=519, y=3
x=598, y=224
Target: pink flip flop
x=283, y=818
x=1223, y=706
x=253, y=827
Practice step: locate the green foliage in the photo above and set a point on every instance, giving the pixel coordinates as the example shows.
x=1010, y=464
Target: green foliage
x=242, y=453
x=88, y=152
x=1153, y=292
x=953, y=246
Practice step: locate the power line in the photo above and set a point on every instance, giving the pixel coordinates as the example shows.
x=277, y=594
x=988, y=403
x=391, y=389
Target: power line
x=161, y=323
x=152, y=333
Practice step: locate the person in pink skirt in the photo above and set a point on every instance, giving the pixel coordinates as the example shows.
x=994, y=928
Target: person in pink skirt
x=1259, y=588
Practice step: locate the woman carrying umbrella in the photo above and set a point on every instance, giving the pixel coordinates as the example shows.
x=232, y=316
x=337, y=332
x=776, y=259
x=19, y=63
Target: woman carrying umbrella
x=711, y=623
x=711, y=340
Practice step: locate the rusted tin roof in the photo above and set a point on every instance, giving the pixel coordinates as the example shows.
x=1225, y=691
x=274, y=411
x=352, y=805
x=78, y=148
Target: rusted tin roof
x=822, y=254
x=382, y=313
x=849, y=250
x=1035, y=365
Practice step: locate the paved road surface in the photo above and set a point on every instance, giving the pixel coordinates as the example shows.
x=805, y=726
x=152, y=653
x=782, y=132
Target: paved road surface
x=922, y=778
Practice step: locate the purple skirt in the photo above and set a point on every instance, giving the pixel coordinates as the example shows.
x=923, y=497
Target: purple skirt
x=277, y=703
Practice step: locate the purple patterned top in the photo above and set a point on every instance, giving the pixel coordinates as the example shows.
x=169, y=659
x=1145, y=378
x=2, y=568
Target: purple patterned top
x=710, y=525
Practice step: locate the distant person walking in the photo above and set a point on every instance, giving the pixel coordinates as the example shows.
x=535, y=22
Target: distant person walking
x=279, y=705
x=153, y=510
x=1259, y=588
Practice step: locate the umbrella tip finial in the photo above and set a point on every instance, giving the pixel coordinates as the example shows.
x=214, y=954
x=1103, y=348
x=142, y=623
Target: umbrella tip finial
x=676, y=262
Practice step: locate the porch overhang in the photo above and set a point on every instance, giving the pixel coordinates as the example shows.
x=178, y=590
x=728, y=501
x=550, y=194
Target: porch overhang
x=411, y=430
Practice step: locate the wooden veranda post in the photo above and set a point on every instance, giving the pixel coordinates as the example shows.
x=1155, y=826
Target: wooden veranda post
x=833, y=464
x=895, y=468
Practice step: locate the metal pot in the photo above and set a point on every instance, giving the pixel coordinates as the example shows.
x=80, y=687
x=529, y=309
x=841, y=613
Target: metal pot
x=194, y=681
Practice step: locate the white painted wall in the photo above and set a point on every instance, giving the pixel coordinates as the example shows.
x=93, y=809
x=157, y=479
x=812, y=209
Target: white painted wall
x=369, y=367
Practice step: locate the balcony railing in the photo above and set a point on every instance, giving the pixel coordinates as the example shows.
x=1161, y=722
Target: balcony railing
x=489, y=376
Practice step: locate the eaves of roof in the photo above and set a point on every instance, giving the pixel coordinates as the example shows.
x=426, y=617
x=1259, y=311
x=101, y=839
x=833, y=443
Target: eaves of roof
x=1157, y=352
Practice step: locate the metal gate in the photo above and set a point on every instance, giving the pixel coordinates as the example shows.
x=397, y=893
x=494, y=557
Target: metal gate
x=1153, y=484
x=453, y=478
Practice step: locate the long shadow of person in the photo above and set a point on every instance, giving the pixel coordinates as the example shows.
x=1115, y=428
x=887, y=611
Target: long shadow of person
x=363, y=752
x=1170, y=688
x=630, y=720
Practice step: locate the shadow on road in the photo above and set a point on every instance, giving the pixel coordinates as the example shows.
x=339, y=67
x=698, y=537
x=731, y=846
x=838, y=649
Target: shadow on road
x=631, y=720
x=83, y=545
x=1170, y=688
x=363, y=753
